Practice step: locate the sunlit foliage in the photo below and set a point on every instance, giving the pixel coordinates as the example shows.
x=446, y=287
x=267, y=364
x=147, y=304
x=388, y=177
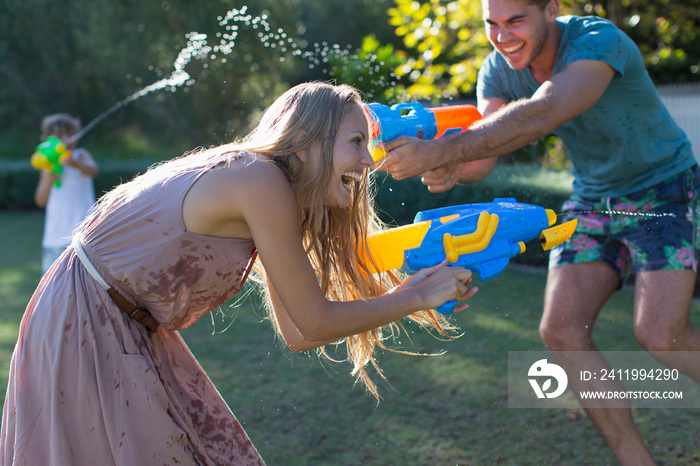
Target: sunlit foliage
x=446, y=42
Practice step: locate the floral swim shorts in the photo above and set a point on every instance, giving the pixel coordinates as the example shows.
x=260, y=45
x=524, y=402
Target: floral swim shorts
x=652, y=229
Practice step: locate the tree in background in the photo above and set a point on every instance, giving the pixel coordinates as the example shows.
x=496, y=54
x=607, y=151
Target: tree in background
x=446, y=42
x=84, y=57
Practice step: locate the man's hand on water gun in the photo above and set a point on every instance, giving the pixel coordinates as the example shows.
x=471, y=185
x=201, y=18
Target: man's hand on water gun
x=403, y=129
x=440, y=179
x=446, y=177
x=406, y=157
x=440, y=284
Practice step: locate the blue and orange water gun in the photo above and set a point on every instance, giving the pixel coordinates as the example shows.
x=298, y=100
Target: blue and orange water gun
x=413, y=119
x=49, y=155
x=479, y=237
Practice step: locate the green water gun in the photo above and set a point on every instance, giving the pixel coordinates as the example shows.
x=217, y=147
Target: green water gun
x=49, y=155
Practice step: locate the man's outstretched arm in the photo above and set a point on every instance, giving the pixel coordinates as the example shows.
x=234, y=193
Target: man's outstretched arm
x=561, y=98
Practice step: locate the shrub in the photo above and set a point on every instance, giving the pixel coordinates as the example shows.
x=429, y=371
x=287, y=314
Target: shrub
x=18, y=180
x=398, y=201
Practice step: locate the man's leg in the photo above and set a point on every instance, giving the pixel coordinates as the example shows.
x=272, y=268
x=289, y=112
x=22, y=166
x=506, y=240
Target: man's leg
x=574, y=295
x=662, y=318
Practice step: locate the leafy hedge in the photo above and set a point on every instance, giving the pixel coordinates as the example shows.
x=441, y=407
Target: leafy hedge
x=398, y=201
x=18, y=180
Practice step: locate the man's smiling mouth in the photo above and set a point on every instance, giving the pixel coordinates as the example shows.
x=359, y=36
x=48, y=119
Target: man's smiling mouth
x=512, y=50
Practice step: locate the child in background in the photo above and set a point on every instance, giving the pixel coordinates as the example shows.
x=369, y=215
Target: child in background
x=67, y=205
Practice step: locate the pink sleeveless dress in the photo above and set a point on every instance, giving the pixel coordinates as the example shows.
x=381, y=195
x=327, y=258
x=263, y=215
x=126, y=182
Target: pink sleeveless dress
x=87, y=384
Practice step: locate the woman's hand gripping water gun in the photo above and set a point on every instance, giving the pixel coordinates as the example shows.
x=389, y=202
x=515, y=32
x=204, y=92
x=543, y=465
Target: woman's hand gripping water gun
x=442, y=284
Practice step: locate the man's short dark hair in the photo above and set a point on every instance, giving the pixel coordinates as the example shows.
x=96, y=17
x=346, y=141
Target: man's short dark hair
x=541, y=4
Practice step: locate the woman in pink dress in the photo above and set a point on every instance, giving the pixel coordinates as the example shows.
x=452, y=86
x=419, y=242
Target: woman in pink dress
x=100, y=374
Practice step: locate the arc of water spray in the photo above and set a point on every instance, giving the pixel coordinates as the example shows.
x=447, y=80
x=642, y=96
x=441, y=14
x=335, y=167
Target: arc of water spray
x=621, y=212
x=198, y=48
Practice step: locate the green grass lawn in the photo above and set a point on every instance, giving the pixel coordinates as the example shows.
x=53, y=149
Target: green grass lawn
x=443, y=410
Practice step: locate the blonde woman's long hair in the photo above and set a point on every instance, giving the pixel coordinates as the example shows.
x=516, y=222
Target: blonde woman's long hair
x=333, y=236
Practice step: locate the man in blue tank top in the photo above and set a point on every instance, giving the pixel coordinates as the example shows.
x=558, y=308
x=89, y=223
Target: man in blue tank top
x=635, y=193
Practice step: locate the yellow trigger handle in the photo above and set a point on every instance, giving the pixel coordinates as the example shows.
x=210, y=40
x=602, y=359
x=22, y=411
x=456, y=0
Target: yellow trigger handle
x=479, y=240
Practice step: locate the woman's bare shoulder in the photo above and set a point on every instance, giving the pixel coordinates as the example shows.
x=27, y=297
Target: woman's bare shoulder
x=227, y=194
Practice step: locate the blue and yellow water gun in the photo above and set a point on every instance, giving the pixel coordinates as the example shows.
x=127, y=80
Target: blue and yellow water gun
x=479, y=237
x=49, y=155
x=413, y=119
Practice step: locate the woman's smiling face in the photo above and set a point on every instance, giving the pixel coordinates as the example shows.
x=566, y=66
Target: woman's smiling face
x=351, y=156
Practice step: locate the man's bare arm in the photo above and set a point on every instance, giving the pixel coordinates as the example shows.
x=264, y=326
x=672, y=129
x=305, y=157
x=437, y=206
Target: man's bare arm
x=563, y=97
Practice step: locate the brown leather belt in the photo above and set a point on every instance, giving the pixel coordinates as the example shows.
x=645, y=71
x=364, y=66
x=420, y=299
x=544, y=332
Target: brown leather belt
x=141, y=316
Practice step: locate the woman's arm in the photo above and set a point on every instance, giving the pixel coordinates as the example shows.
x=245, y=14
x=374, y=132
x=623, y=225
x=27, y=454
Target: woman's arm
x=271, y=215
x=296, y=341
x=291, y=334
x=256, y=201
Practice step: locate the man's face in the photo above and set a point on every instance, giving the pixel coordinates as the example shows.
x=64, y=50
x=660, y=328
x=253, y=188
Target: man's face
x=518, y=29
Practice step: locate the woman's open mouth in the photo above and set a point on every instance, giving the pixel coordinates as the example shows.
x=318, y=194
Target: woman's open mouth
x=350, y=177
